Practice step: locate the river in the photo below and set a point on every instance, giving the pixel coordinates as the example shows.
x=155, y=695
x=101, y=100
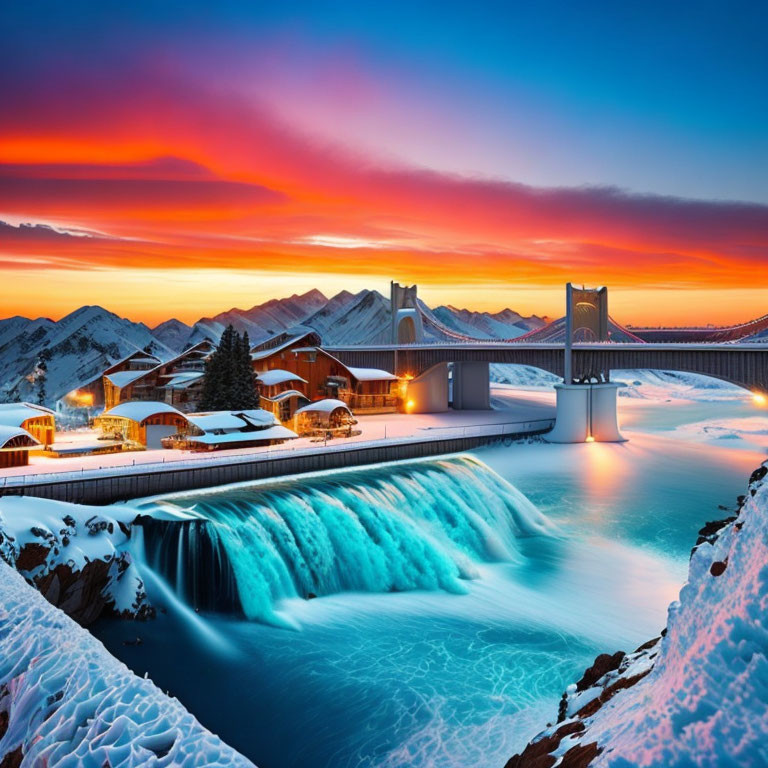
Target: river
x=456, y=598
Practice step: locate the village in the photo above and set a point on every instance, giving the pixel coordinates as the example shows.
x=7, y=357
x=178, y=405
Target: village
x=141, y=410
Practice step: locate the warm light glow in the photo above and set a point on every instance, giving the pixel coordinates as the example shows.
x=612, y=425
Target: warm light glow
x=590, y=439
x=80, y=399
x=409, y=406
x=759, y=399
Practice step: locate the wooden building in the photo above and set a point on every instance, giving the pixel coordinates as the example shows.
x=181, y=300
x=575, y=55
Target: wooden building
x=279, y=393
x=177, y=382
x=141, y=424
x=15, y=445
x=37, y=420
x=218, y=430
x=325, y=418
x=91, y=394
x=364, y=390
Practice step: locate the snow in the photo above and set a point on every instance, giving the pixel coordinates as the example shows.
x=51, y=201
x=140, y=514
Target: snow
x=285, y=395
x=19, y=515
x=534, y=411
x=139, y=410
x=639, y=384
x=324, y=406
x=82, y=345
x=277, y=376
x=8, y=433
x=705, y=702
x=371, y=374
x=71, y=704
x=15, y=414
x=124, y=378
x=271, y=433
x=231, y=420
x=182, y=380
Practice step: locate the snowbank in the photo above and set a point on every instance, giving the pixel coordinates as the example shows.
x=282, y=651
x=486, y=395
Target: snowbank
x=75, y=555
x=64, y=701
x=639, y=384
x=700, y=695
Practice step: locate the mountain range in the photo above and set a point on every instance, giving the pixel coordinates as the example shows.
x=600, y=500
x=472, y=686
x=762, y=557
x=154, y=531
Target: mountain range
x=45, y=359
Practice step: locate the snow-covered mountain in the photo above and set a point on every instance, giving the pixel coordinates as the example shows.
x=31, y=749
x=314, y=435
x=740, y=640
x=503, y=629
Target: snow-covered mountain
x=262, y=320
x=75, y=350
x=361, y=318
x=506, y=324
x=78, y=347
x=173, y=333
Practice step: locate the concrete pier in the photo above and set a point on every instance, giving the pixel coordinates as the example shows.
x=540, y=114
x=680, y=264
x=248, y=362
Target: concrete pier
x=471, y=387
x=585, y=413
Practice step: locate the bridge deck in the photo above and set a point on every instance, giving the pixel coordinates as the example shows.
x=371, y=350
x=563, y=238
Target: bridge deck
x=745, y=365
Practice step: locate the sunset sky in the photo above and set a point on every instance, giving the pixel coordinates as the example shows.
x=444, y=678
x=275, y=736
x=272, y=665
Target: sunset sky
x=177, y=159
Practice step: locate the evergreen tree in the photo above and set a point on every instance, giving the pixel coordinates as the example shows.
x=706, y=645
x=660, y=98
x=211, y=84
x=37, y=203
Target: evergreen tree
x=42, y=375
x=229, y=383
x=244, y=394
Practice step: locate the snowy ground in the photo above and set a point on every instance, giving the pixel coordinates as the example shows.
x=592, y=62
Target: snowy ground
x=518, y=394
x=378, y=427
x=68, y=702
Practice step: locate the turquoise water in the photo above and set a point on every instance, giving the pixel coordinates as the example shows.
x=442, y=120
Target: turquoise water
x=450, y=614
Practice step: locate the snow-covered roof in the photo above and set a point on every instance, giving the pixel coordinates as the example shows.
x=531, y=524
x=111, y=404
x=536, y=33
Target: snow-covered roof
x=181, y=380
x=259, y=352
x=232, y=420
x=272, y=433
x=280, y=396
x=371, y=374
x=324, y=406
x=15, y=414
x=7, y=433
x=139, y=410
x=277, y=376
x=124, y=378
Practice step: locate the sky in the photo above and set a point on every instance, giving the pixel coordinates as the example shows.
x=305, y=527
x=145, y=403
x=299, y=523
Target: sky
x=178, y=159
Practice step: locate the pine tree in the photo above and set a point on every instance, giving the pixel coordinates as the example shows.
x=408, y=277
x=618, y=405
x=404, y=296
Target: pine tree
x=229, y=383
x=42, y=376
x=244, y=395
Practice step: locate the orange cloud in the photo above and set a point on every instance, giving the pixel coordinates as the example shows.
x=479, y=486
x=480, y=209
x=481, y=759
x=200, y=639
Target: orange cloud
x=168, y=176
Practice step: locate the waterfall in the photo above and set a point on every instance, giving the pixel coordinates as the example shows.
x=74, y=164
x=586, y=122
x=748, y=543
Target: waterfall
x=192, y=560
x=416, y=525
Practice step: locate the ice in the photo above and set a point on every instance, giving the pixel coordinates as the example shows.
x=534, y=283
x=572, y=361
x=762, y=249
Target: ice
x=69, y=703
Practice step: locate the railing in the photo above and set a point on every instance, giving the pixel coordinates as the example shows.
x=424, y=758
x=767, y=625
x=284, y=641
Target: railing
x=430, y=434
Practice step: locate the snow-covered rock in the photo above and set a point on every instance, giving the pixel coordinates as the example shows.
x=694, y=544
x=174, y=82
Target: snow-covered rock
x=76, y=556
x=65, y=702
x=699, y=696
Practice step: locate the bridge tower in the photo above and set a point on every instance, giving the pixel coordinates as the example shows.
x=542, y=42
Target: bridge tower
x=586, y=408
x=407, y=327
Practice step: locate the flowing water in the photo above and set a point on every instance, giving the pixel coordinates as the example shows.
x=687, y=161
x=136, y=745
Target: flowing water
x=455, y=599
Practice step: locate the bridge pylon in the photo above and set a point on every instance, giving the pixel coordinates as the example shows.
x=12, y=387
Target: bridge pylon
x=586, y=409
x=407, y=326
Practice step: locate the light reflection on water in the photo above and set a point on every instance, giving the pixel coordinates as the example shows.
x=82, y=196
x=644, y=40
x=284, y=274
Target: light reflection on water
x=434, y=679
